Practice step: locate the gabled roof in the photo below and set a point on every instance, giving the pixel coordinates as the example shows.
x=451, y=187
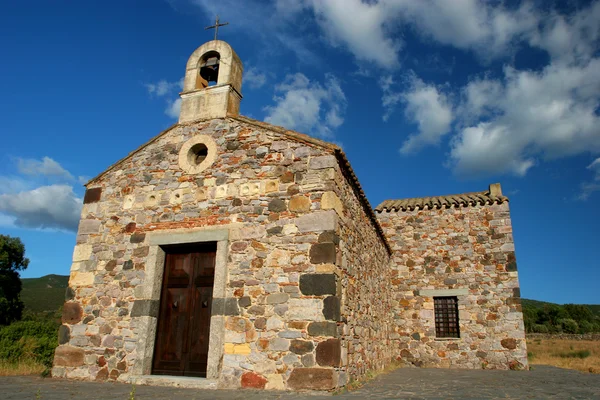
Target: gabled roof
x=299, y=137
x=491, y=196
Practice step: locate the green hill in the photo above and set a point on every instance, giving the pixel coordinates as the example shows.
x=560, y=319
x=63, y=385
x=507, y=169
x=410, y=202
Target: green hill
x=44, y=294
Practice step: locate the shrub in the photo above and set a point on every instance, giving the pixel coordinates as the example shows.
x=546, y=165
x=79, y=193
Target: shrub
x=538, y=328
x=575, y=354
x=569, y=325
x=28, y=340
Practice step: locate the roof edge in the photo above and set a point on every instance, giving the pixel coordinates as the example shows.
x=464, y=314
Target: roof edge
x=487, y=197
x=113, y=166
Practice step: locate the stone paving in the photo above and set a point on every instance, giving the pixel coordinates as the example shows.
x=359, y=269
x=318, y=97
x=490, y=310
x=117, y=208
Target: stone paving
x=542, y=382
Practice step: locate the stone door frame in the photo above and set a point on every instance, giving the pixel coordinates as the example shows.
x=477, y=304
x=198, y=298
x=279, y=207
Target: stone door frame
x=147, y=303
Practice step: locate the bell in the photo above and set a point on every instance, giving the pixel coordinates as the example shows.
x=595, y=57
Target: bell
x=210, y=69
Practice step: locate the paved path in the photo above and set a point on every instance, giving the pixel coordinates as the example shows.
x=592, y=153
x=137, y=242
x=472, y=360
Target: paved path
x=407, y=383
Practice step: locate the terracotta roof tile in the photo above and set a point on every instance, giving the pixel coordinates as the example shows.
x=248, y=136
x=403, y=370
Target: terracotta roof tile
x=491, y=196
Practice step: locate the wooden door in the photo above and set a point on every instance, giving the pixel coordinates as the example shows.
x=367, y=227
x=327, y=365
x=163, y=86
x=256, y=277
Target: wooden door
x=181, y=346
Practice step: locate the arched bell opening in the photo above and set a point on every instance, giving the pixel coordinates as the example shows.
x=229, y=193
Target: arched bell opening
x=208, y=70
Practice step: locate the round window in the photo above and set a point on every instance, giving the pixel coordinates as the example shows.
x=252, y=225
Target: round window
x=197, y=154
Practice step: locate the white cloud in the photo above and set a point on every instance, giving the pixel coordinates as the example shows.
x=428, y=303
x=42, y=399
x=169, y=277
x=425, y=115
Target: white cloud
x=430, y=109
x=173, y=108
x=254, y=78
x=390, y=97
x=308, y=106
x=361, y=27
x=163, y=87
x=46, y=166
x=47, y=207
x=587, y=188
x=547, y=114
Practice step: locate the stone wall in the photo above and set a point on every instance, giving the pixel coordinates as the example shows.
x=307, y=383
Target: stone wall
x=366, y=295
x=456, y=248
x=281, y=306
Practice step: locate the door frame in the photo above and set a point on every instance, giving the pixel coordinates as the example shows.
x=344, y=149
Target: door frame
x=146, y=306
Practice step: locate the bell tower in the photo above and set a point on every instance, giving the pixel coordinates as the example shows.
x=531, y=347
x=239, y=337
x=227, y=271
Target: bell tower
x=212, y=87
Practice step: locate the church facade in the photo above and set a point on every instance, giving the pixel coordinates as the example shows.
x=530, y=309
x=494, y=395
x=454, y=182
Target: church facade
x=231, y=253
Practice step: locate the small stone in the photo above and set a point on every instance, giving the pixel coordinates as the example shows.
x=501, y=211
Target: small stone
x=256, y=310
x=137, y=238
x=69, y=356
x=277, y=205
x=299, y=204
x=301, y=346
x=287, y=177
x=279, y=344
x=244, y=301
x=308, y=360
x=72, y=313
x=64, y=334
x=127, y=265
x=141, y=251
x=277, y=298
x=253, y=380
x=276, y=230
x=260, y=323
x=510, y=343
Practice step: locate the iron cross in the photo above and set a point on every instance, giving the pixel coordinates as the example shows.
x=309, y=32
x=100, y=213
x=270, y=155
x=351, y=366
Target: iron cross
x=216, y=26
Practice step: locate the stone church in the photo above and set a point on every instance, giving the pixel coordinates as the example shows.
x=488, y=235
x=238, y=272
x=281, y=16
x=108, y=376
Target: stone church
x=230, y=253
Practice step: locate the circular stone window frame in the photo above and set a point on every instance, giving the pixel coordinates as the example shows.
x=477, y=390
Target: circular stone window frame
x=187, y=156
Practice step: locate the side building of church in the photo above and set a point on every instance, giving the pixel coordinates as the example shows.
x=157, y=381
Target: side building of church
x=228, y=252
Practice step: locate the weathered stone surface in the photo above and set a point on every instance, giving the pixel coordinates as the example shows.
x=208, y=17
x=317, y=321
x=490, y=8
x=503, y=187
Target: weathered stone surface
x=329, y=353
x=323, y=253
x=301, y=346
x=225, y=306
x=322, y=162
x=277, y=205
x=312, y=379
x=317, y=221
x=72, y=313
x=137, y=238
x=145, y=308
x=89, y=226
x=277, y=298
x=510, y=343
x=322, y=329
x=69, y=356
x=253, y=381
x=331, y=308
x=318, y=284
x=64, y=334
x=299, y=204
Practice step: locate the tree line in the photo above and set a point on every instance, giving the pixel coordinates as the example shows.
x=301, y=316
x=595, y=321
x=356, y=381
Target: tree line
x=554, y=318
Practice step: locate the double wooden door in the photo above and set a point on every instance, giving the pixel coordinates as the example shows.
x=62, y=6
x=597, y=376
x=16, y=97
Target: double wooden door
x=185, y=308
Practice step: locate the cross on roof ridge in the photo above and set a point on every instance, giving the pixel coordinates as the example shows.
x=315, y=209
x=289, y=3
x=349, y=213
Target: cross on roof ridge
x=216, y=26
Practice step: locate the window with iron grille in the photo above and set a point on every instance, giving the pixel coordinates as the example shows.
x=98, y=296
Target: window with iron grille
x=446, y=317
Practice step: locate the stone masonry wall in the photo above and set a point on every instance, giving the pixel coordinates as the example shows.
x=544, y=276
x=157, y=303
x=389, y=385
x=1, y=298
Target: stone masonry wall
x=366, y=295
x=457, y=248
x=280, y=305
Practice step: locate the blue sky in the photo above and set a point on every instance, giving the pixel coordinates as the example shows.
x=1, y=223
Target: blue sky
x=426, y=97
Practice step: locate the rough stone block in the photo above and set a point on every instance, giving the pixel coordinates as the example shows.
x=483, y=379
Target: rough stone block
x=82, y=252
x=323, y=253
x=318, y=284
x=81, y=279
x=253, y=381
x=92, y=195
x=89, y=226
x=329, y=353
x=323, y=329
x=277, y=205
x=322, y=162
x=305, y=310
x=329, y=237
x=72, y=313
x=137, y=238
x=64, y=334
x=301, y=346
x=312, y=379
x=330, y=201
x=331, y=308
x=509, y=344
x=299, y=204
x=69, y=356
x=317, y=221
x=225, y=306
x=145, y=308
x=277, y=298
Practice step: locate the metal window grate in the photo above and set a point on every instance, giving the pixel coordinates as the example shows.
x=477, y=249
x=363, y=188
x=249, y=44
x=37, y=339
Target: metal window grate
x=446, y=317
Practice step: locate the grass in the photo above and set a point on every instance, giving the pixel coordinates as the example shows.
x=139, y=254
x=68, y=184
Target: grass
x=21, y=368
x=581, y=355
